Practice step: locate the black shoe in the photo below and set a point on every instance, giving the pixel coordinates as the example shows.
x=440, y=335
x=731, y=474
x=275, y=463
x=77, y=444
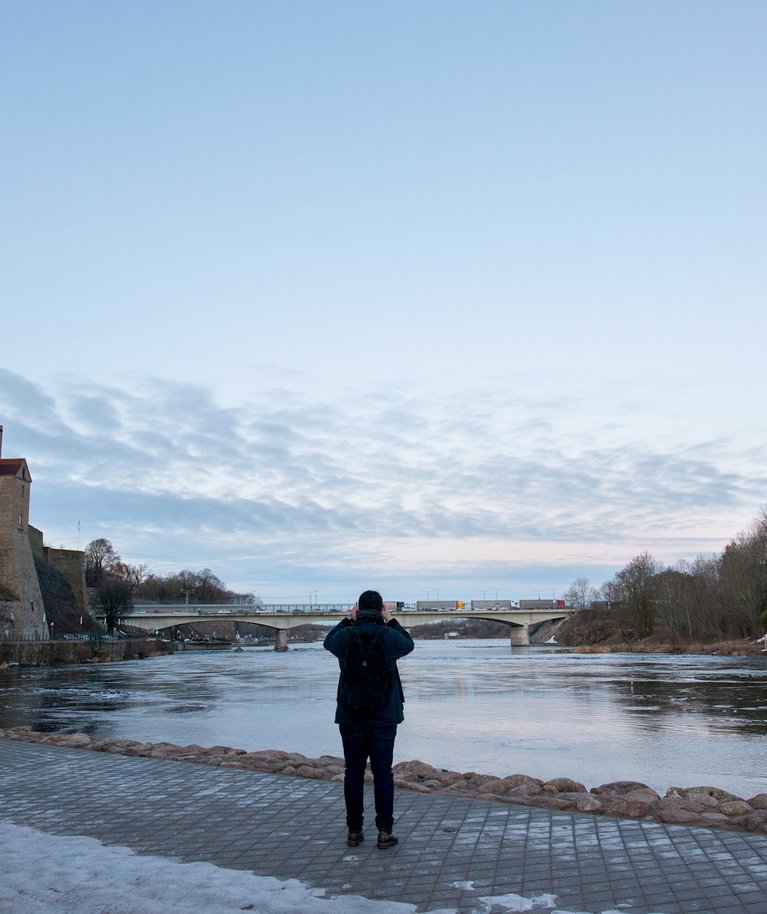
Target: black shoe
x=385, y=839
x=355, y=838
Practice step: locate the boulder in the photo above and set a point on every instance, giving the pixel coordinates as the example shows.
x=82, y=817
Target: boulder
x=635, y=809
x=414, y=771
x=688, y=805
x=643, y=793
x=408, y=785
x=714, y=792
x=735, y=808
x=714, y=819
x=759, y=801
x=307, y=771
x=76, y=741
x=705, y=799
x=673, y=816
x=515, y=780
x=525, y=790
x=558, y=801
x=563, y=785
x=752, y=821
x=618, y=788
x=589, y=803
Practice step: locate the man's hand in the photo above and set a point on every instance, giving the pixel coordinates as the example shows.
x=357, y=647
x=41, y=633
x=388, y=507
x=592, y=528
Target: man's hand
x=386, y=613
x=353, y=612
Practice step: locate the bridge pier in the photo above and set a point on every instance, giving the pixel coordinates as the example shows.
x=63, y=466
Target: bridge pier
x=281, y=643
x=520, y=635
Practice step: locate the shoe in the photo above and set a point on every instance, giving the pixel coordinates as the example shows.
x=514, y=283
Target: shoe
x=355, y=838
x=386, y=840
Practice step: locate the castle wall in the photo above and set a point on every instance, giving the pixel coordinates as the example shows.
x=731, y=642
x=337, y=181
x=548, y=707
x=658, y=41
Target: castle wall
x=21, y=602
x=71, y=563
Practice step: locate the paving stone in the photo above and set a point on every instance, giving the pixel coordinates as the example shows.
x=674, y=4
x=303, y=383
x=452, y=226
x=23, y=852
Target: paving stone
x=293, y=828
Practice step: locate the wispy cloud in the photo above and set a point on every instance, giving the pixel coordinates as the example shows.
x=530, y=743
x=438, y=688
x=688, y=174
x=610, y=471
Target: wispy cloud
x=476, y=483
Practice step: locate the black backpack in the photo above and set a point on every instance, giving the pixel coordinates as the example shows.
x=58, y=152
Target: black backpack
x=365, y=681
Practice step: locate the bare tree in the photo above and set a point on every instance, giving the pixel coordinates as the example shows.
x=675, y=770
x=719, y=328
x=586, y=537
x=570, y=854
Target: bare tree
x=580, y=594
x=638, y=586
x=115, y=599
x=100, y=560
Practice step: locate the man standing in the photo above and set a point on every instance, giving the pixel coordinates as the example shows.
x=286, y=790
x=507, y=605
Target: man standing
x=369, y=703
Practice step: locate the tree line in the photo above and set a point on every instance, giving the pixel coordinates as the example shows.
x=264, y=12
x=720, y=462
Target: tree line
x=116, y=584
x=709, y=598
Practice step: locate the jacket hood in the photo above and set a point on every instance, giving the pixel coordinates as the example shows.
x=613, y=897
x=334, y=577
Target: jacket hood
x=370, y=615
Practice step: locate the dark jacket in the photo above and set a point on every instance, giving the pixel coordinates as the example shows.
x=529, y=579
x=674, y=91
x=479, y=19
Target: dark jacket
x=396, y=641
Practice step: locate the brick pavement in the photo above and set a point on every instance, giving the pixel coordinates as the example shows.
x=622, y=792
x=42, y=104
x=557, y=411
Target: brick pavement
x=453, y=852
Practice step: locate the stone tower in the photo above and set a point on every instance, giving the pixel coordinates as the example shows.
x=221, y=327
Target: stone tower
x=21, y=602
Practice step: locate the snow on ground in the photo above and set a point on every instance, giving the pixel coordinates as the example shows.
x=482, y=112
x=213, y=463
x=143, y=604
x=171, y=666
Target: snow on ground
x=51, y=874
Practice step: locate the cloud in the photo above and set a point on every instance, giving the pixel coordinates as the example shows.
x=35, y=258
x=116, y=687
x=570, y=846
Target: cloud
x=283, y=484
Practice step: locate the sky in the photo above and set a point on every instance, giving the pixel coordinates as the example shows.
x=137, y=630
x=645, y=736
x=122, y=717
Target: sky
x=440, y=298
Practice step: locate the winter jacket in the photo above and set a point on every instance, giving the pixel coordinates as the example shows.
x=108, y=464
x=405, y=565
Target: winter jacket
x=396, y=641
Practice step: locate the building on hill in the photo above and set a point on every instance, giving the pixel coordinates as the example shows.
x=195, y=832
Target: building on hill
x=22, y=610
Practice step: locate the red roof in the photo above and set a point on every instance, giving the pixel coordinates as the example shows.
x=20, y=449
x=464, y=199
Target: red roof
x=11, y=466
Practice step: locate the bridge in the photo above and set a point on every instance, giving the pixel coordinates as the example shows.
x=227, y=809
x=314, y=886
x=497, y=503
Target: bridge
x=283, y=617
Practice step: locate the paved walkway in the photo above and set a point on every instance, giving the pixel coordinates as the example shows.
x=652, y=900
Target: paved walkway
x=453, y=851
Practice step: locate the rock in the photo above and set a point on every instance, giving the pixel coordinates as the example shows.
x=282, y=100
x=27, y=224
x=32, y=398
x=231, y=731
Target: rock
x=589, y=803
x=734, y=808
x=525, y=790
x=680, y=803
x=564, y=785
x=714, y=792
x=307, y=771
x=759, y=801
x=635, y=809
x=286, y=769
x=705, y=799
x=752, y=821
x=449, y=777
x=515, y=780
x=644, y=793
x=618, y=788
x=490, y=786
x=414, y=771
x=76, y=741
x=410, y=785
x=558, y=801
x=678, y=816
x=714, y=819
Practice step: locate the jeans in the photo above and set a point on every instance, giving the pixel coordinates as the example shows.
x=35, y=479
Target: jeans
x=376, y=743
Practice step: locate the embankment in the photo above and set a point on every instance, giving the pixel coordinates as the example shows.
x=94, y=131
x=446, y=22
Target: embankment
x=710, y=807
x=43, y=653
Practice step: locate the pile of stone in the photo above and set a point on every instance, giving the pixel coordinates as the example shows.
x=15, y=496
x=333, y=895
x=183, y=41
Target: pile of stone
x=699, y=806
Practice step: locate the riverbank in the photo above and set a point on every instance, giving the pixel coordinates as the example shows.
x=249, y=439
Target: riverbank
x=703, y=806
x=50, y=653
x=43, y=653
x=654, y=646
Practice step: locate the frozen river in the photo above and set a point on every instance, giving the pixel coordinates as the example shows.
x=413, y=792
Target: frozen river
x=470, y=706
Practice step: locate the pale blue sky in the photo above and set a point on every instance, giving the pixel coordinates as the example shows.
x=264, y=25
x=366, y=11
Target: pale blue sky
x=449, y=295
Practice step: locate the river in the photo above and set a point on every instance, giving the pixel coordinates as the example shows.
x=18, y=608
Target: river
x=470, y=706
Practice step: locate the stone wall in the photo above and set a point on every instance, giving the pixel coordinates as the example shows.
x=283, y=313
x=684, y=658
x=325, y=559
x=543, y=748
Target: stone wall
x=21, y=602
x=43, y=653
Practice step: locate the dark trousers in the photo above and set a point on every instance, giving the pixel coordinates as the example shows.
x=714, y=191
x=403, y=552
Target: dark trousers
x=377, y=744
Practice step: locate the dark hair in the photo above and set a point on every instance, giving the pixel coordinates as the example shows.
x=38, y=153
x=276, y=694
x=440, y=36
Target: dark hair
x=371, y=599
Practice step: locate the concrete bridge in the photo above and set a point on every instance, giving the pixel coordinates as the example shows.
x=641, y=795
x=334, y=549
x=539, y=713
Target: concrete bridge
x=283, y=617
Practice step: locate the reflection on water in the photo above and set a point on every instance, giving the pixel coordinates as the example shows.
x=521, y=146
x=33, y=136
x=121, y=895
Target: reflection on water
x=471, y=705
